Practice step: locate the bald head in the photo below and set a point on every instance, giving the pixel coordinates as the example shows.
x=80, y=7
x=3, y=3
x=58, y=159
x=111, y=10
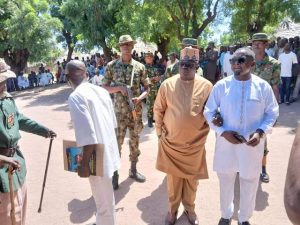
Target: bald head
x=75, y=71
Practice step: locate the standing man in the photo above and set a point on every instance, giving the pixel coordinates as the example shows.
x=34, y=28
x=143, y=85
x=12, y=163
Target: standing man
x=153, y=73
x=182, y=131
x=211, y=71
x=94, y=122
x=288, y=59
x=268, y=69
x=227, y=65
x=249, y=110
x=12, y=121
x=123, y=75
x=174, y=69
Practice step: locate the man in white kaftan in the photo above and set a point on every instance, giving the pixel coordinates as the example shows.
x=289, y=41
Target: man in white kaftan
x=94, y=122
x=249, y=109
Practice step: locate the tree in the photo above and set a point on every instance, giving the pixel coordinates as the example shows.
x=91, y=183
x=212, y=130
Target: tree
x=26, y=32
x=252, y=16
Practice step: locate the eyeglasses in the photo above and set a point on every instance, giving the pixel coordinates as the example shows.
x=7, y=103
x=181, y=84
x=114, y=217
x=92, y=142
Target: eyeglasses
x=239, y=60
x=187, y=65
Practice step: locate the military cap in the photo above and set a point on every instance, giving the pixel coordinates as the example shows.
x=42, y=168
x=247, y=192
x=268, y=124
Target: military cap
x=189, y=53
x=149, y=53
x=189, y=42
x=125, y=39
x=260, y=37
x=5, y=71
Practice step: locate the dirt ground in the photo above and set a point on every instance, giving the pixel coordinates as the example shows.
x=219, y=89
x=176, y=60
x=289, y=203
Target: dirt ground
x=68, y=200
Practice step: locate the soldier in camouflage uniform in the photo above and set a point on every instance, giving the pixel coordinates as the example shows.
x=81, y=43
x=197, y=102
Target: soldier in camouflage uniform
x=268, y=69
x=153, y=73
x=12, y=121
x=174, y=69
x=122, y=73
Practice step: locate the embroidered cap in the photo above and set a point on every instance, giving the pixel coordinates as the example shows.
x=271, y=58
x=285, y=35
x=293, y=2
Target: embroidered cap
x=5, y=71
x=189, y=53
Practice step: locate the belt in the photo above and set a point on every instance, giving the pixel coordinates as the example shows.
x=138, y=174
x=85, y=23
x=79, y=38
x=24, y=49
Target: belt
x=9, y=152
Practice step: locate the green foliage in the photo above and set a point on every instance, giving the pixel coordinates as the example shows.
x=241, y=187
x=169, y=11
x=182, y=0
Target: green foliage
x=27, y=25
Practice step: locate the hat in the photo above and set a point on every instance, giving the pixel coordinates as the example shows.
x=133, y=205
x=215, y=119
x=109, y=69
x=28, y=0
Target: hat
x=125, y=39
x=189, y=42
x=260, y=37
x=5, y=71
x=189, y=53
x=149, y=53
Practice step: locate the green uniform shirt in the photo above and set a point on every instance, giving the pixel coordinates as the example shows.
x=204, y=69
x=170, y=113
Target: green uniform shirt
x=268, y=69
x=11, y=123
x=133, y=75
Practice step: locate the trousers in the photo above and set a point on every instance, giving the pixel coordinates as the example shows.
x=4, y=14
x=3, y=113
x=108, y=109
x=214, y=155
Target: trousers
x=103, y=194
x=20, y=201
x=248, y=189
x=181, y=190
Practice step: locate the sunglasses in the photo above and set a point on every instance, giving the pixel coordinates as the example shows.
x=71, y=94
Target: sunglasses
x=187, y=65
x=239, y=60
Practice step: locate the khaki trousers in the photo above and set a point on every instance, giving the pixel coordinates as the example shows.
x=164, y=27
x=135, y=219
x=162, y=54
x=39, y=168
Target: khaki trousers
x=181, y=190
x=20, y=206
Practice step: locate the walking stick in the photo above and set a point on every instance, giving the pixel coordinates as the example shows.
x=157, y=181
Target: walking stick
x=12, y=197
x=45, y=175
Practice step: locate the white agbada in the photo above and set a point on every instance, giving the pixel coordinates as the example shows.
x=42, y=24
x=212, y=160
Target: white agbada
x=244, y=106
x=227, y=65
x=94, y=122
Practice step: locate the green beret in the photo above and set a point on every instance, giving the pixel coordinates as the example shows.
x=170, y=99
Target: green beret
x=260, y=37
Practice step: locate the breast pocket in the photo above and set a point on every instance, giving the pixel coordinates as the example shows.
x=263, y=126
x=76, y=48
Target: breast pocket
x=197, y=105
x=254, y=106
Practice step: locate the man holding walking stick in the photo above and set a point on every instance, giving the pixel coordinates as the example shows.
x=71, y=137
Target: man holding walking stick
x=11, y=123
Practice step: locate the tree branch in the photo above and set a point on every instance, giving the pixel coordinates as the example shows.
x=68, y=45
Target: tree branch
x=210, y=17
x=176, y=20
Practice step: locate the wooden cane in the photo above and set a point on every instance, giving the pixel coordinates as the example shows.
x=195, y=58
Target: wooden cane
x=45, y=176
x=12, y=197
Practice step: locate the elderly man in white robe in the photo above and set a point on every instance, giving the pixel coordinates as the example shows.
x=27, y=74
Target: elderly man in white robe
x=94, y=122
x=241, y=109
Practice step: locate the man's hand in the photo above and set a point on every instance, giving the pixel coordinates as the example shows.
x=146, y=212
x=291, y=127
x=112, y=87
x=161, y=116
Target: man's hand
x=229, y=136
x=123, y=90
x=254, y=139
x=217, y=120
x=51, y=134
x=136, y=100
x=10, y=161
x=84, y=170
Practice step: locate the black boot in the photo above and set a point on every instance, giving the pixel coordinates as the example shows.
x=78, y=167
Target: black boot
x=115, y=180
x=133, y=173
x=264, y=176
x=150, y=122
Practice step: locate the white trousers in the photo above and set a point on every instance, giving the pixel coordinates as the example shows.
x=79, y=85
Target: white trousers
x=248, y=189
x=103, y=194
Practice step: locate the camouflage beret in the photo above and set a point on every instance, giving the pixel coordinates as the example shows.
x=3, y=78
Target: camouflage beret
x=5, y=71
x=260, y=37
x=125, y=39
x=189, y=53
x=149, y=53
x=189, y=42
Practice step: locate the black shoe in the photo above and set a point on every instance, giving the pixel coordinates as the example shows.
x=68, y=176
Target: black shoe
x=224, y=221
x=150, y=122
x=244, y=223
x=264, y=177
x=137, y=176
x=115, y=180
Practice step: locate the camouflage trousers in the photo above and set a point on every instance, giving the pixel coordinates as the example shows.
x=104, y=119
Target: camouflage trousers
x=125, y=120
x=150, y=102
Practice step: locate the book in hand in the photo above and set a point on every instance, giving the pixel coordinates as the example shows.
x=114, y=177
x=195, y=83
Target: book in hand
x=73, y=156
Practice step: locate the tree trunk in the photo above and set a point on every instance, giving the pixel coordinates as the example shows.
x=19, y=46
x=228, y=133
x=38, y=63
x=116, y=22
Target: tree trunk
x=162, y=46
x=17, y=59
x=107, y=51
x=70, y=52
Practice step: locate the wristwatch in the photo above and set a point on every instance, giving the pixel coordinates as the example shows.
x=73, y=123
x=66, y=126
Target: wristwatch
x=260, y=132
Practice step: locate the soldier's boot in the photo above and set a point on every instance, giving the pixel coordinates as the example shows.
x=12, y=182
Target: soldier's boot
x=150, y=122
x=115, y=180
x=133, y=173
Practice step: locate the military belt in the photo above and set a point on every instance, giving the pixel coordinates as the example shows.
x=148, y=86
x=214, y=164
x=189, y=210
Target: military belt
x=9, y=152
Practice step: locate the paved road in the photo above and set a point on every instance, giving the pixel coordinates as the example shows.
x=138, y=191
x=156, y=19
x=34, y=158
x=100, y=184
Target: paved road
x=68, y=200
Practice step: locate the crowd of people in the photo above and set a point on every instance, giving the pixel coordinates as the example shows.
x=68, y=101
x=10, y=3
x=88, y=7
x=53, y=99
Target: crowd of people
x=234, y=91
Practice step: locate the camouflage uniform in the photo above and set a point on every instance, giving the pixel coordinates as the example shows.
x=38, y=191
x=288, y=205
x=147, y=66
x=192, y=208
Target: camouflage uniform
x=269, y=70
x=152, y=71
x=118, y=72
